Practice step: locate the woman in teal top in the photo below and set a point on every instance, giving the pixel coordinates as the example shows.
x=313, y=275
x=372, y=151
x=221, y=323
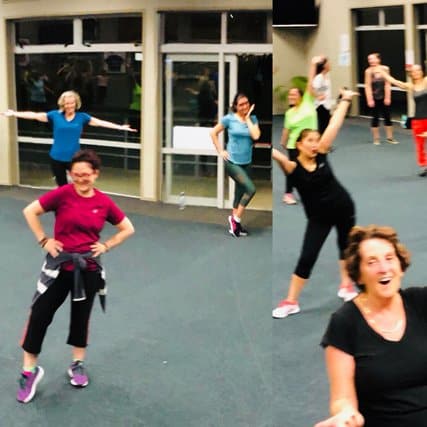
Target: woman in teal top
x=68, y=126
x=243, y=129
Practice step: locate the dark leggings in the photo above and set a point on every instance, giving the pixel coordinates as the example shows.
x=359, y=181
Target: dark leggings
x=245, y=188
x=59, y=170
x=380, y=108
x=323, y=117
x=289, y=186
x=315, y=235
x=45, y=306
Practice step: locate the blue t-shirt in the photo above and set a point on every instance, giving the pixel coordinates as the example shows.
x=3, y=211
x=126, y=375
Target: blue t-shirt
x=239, y=145
x=66, y=134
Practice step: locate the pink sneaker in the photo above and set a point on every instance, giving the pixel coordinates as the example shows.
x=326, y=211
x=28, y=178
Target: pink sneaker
x=347, y=292
x=289, y=199
x=285, y=308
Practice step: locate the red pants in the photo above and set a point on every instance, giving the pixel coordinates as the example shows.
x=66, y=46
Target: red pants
x=419, y=126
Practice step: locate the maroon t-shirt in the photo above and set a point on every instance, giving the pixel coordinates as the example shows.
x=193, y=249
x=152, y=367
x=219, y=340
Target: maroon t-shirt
x=79, y=220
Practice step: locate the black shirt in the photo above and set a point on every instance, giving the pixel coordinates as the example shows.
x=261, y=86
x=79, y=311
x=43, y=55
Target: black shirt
x=322, y=195
x=391, y=376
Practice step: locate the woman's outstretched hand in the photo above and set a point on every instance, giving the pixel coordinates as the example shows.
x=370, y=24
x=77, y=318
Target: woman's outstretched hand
x=8, y=113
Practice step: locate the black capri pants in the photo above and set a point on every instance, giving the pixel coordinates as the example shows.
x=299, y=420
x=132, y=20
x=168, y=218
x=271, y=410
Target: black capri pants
x=380, y=108
x=45, y=306
x=315, y=235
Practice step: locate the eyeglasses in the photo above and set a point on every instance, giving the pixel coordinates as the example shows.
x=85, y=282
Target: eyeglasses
x=241, y=104
x=81, y=175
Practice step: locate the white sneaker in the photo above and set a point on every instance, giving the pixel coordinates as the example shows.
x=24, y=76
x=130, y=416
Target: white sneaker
x=289, y=199
x=285, y=308
x=347, y=293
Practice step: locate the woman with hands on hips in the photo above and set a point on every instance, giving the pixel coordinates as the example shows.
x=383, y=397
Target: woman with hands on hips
x=72, y=266
x=243, y=130
x=68, y=124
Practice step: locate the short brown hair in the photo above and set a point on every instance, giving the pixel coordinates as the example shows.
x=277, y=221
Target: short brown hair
x=87, y=156
x=358, y=234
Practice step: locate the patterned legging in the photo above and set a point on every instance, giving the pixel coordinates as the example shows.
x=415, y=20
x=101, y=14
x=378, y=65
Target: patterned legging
x=245, y=188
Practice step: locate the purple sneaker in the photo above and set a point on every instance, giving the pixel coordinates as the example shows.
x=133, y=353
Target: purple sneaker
x=28, y=385
x=78, y=375
x=234, y=227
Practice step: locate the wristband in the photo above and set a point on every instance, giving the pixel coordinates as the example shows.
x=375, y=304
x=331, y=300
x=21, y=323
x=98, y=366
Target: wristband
x=346, y=99
x=43, y=241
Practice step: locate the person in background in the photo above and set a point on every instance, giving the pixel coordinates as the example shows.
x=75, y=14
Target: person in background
x=72, y=265
x=68, y=124
x=323, y=93
x=243, y=130
x=417, y=87
x=300, y=115
x=378, y=98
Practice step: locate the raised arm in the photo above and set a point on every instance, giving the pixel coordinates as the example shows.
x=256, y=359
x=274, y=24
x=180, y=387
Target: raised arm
x=288, y=166
x=28, y=115
x=343, y=399
x=336, y=120
x=312, y=73
x=110, y=125
x=254, y=130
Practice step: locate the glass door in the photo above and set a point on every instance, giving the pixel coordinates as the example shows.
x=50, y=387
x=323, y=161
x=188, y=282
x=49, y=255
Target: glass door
x=198, y=90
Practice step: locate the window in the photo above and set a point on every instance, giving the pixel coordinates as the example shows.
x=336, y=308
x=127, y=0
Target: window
x=239, y=22
x=192, y=27
x=367, y=16
x=112, y=29
x=59, y=31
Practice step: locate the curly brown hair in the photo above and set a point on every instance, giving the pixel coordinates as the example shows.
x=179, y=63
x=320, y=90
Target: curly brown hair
x=358, y=234
x=87, y=156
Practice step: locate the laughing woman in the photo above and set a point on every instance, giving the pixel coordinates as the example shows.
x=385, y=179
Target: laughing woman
x=243, y=130
x=375, y=345
x=72, y=265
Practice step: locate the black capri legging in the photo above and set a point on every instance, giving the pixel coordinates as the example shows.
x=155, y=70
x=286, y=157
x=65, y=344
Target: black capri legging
x=245, y=188
x=45, y=306
x=380, y=108
x=315, y=235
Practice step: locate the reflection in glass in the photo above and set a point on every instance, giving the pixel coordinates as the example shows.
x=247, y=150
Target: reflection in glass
x=192, y=27
x=117, y=29
x=108, y=84
x=238, y=23
x=58, y=31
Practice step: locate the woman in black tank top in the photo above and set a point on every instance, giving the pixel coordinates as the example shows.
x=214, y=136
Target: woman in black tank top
x=326, y=203
x=418, y=88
